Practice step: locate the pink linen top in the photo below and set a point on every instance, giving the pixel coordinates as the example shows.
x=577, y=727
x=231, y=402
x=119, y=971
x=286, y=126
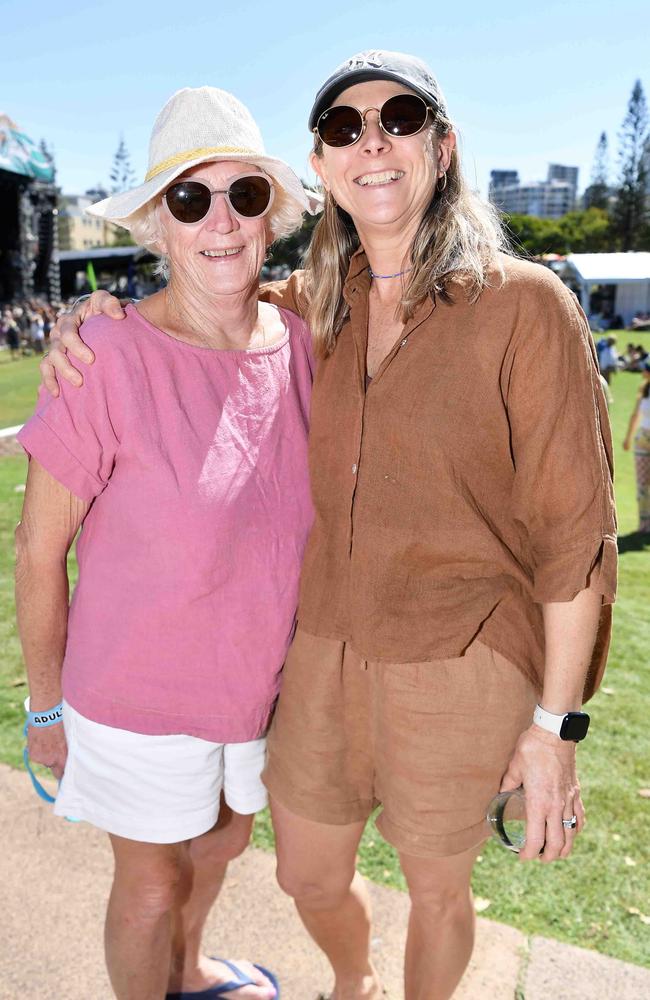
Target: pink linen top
x=195, y=461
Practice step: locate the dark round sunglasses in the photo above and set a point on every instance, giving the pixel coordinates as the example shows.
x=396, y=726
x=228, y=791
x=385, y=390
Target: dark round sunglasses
x=249, y=196
x=399, y=116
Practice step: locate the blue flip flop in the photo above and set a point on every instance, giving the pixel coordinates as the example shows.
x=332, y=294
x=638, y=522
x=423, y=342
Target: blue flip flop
x=241, y=979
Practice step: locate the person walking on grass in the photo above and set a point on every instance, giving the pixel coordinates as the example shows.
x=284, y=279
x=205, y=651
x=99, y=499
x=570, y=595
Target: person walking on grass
x=637, y=438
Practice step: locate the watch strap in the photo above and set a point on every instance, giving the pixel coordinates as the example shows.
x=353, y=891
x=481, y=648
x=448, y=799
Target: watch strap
x=548, y=720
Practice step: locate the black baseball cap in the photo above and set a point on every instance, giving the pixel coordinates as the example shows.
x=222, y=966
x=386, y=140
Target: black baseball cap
x=379, y=65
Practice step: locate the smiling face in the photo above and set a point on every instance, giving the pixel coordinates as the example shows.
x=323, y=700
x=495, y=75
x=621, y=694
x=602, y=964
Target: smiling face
x=222, y=253
x=382, y=181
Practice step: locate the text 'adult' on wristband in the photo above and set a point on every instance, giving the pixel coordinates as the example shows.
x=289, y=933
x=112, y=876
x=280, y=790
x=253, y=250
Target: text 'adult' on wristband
x=51, y=717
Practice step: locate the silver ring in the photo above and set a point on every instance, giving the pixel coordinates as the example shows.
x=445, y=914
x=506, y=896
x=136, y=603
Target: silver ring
x=570, y=824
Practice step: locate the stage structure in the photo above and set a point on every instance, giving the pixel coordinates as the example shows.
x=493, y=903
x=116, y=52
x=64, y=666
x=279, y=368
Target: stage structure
x=29, y=261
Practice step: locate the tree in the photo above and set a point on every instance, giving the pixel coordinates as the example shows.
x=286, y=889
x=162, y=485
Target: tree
x=118, y=237
x=533, y=234
x=631, y=209
x=575, y=232
x=586, y=232
x=122, y=174
x=597, y=194
x=644, y=243
x=290, y=251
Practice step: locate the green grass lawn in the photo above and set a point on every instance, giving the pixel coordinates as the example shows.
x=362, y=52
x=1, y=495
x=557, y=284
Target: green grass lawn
x=586, y=900
x=18, y=383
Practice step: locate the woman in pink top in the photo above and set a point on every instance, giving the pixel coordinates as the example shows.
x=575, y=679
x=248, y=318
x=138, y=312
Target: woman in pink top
x=183, y=460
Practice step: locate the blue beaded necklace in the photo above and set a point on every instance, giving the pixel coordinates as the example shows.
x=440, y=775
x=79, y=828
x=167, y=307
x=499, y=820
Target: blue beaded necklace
x=398, y=274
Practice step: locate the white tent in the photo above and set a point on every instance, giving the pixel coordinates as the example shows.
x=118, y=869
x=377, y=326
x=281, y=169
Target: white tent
x=626, y=275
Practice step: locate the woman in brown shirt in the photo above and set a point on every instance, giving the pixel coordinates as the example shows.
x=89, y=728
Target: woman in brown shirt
x=461, y=567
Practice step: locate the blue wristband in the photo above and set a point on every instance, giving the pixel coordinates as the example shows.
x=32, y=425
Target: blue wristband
x=40, y=720
x=52, y=717
x=43, y=719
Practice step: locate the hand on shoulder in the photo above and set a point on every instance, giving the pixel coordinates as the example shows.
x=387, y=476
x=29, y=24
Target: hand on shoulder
x=65, y=338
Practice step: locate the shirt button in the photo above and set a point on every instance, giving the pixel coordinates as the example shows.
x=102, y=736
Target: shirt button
x=404, y=342
x=354, y=469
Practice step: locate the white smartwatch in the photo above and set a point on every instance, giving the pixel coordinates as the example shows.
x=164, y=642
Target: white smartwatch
x=568, y=726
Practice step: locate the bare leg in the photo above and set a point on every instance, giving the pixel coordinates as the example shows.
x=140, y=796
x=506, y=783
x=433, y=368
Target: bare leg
x=139, y=917
x=203, y=875
x=316, y=865
x=441, y=926
x=157, y=908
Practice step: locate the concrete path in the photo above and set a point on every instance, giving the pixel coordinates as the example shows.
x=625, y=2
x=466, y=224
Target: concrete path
x=55, y=878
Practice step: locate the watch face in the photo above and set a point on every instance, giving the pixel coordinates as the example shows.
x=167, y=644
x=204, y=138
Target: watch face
x=574, y=726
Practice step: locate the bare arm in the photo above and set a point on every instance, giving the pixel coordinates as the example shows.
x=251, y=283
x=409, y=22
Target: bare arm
x=50, y=520
x=543, y=763
x=64, y=337
x=632, y=425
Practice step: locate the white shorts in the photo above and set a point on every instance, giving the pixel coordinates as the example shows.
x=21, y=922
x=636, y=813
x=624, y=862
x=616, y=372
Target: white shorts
x=156, y=789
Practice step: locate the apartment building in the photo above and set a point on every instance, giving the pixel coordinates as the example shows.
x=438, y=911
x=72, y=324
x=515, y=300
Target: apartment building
x=547, y=199
x=78, y=231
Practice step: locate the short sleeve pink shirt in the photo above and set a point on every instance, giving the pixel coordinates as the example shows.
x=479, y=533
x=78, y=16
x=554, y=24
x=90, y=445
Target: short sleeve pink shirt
x=195, y=461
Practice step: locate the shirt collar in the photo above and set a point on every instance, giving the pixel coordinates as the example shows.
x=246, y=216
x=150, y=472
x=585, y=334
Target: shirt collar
x=358, y=277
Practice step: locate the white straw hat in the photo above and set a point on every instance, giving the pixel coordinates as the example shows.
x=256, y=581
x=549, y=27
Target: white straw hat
x=198, y=125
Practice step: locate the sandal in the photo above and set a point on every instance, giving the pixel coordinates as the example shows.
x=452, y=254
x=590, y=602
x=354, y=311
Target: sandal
x=222, y=989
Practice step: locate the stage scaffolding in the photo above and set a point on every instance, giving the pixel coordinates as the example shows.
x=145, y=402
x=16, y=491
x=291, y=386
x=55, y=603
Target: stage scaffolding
x=29, y=261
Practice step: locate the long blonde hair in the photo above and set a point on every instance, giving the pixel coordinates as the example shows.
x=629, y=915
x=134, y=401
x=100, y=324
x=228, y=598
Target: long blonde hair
x=458, y=238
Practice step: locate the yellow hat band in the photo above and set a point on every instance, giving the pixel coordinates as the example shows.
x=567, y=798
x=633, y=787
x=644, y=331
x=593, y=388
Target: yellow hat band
x=196, y=154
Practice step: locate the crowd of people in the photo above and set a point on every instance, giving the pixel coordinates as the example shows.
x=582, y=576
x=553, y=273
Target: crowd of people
x=640, y=322
x=633, y=359
x=25, y=325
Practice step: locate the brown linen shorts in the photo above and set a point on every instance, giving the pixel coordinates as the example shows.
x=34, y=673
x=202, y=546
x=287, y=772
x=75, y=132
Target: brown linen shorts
x=429, y=742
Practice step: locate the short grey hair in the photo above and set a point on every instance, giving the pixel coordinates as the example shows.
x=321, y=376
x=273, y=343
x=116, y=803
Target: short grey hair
x=284, y=218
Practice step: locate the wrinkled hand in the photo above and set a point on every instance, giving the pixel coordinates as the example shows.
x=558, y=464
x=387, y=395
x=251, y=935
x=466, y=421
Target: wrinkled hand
x=546, y=766
x=47, y=746
x=64, y=337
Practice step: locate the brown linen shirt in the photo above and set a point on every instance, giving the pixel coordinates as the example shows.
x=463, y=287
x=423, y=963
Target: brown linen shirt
x=468, y=484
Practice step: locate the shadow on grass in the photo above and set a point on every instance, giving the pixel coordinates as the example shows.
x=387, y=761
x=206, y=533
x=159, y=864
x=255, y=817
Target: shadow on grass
x=636, y=541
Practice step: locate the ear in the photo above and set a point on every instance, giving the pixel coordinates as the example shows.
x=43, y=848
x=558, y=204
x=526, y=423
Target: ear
x=317, y=164
x=269, y=238
x=446, y=146
x=161, y=242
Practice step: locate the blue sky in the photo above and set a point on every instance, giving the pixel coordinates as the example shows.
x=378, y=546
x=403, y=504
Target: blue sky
x=527, y=83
